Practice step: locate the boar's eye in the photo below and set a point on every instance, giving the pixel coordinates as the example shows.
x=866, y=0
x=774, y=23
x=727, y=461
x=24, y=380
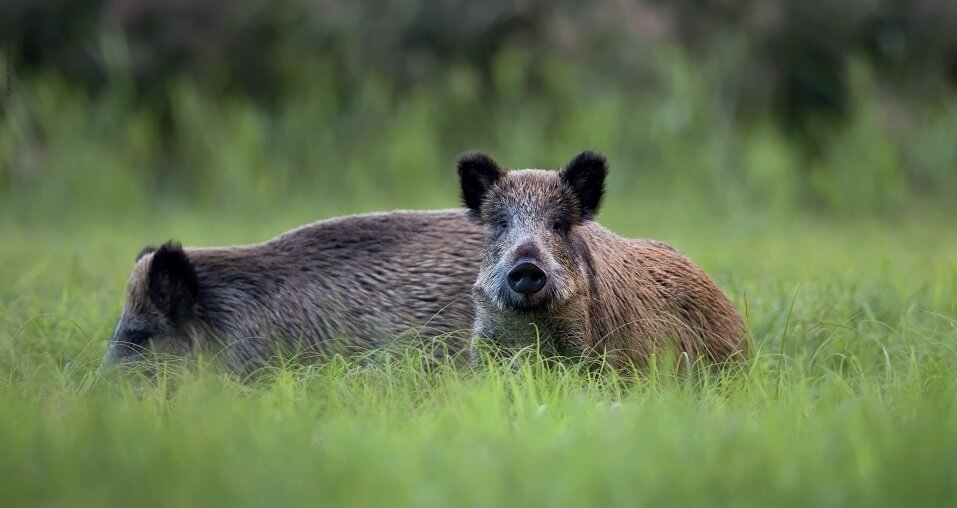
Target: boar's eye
x=503, y=224
x=137, y=336
x=560, y=225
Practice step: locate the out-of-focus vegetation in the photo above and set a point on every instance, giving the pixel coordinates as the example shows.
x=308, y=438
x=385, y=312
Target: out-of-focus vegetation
x=848, y=108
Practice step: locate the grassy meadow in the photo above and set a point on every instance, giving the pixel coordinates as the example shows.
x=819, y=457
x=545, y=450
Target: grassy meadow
x=848, y=280
x=849, y=401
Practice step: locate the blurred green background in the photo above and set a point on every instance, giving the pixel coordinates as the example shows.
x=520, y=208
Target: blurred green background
x=842, y=109
x=802, y=152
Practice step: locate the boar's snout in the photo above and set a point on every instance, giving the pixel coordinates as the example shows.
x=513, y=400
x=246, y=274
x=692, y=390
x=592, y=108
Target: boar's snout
x=526, y=277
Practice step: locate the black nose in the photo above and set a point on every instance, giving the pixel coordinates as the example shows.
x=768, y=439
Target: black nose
x=526, y=278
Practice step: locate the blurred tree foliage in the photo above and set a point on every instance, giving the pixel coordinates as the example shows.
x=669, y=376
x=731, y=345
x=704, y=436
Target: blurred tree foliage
x=833, y=79
x=799, y=49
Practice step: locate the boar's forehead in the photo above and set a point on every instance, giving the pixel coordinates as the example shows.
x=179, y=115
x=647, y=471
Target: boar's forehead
x=531, y=195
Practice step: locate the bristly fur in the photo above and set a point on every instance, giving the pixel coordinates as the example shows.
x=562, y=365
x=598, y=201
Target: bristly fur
x=172, y=282
x=585, y=175
x=344, y=285
x=477, y=174
x=149, y=249
x=604, y=294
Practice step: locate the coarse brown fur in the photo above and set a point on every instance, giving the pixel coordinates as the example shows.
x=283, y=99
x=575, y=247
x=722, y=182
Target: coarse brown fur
x=604, y=294
x=335, y=286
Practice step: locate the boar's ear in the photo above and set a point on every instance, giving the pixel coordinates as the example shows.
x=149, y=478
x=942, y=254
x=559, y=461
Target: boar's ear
x=477, y=173
x=149, y=249
x=171, y=282
x=585, y=175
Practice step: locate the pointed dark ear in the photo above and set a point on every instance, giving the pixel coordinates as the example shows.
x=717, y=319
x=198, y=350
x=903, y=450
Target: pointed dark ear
x=477, y=173
x=171, y=282
x=585, y=175
x=149, y=249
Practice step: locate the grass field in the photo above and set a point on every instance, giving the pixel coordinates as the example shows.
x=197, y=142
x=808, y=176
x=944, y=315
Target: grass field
x=850, y=400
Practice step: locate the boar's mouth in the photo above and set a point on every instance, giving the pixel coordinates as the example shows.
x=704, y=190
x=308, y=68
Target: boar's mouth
x=527, y=303
x=529, y=308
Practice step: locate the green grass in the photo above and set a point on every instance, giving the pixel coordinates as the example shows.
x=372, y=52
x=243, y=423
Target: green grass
x=850, y=400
